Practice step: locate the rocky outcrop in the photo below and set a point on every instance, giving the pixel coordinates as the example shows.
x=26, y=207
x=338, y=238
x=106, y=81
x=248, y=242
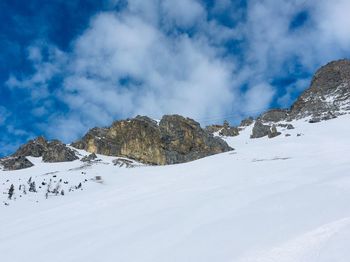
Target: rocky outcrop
x=228, y=130
x=50, y=151
x=15, y=163
x=58, y=152
x=224, y=130
x=328, y=94
x=247, y=122
x=213, y=128
x=261, y=130
x=327, y=97
x=89, y=158
x=174, y=140
x=273, y=132
x=274, y=115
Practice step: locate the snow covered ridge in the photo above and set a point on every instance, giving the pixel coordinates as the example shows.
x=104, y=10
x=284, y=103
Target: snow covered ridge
x=282, y=199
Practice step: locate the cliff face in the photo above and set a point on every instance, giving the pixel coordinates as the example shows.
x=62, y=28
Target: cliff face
x=329, y=92
x=327, y=97
x=50, y=151
x=174, y=140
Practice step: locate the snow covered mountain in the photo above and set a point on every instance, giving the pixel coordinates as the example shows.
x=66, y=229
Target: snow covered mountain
x=282, y=199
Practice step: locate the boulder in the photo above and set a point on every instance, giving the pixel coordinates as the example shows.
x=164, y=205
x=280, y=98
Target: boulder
x=174, y=140
x=15, y=163
x=273, y=132
x=260, y=130
x=89, y=158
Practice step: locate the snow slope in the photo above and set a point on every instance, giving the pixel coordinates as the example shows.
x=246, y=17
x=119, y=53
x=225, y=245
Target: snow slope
x=282, y=199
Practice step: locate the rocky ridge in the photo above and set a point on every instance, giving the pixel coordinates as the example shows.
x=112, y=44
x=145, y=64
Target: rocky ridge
x=51, y=151
x=327, y=97
x=175, y=139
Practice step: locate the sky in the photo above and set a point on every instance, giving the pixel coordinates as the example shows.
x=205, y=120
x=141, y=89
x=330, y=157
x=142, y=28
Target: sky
x=68, y=66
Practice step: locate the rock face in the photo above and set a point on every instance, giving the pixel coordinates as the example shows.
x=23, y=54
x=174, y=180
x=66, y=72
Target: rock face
x=51, y=151
x=328, y=94
x=327, y=97
x=174, y=140
x=15, y=163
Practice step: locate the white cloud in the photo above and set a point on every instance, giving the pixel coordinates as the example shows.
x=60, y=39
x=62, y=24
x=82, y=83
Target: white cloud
x=183, y=13
x=257, y=98
x=131, y=62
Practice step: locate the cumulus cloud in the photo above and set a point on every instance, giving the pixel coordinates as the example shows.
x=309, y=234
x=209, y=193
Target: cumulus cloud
x=157, y=57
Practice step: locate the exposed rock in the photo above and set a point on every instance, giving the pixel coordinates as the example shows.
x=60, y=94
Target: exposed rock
x=231, y=131
x=58, y=152
x=260, y=130
x=175, y=140
x=328, y=94
x=15, y=163
x=273, y=132
x=35, y=148
x=89, y=158
x=227, y=130
x=247, y=122
x=327, y=97
x=224, y=130
x=288, y=126
x=51, y=151
x=274, y=115
x=213, y=128
x=123, y=163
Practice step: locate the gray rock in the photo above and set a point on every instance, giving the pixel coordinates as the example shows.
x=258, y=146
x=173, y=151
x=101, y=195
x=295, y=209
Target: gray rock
x=123, y=163
x=288, y=126
x=174, y=140
x=15, y=163
x=328, y=94
x=230, y=131
x=260, y=130
x=58, y=152
x=89, y=158
x=35, y=148
x=51, y=151
x=213, y=128
x=274, y=115
x=247, y=122
x=273, y=132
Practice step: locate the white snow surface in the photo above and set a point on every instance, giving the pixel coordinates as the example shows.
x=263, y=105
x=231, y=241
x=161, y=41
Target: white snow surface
x=281, y=199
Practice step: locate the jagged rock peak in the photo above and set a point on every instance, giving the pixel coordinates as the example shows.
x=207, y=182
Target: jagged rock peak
x=329, y=93
x=327, y=97
x=50, y=151
x=175, y=139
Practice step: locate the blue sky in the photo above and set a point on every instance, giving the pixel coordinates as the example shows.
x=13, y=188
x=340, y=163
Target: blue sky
x=67, y=66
